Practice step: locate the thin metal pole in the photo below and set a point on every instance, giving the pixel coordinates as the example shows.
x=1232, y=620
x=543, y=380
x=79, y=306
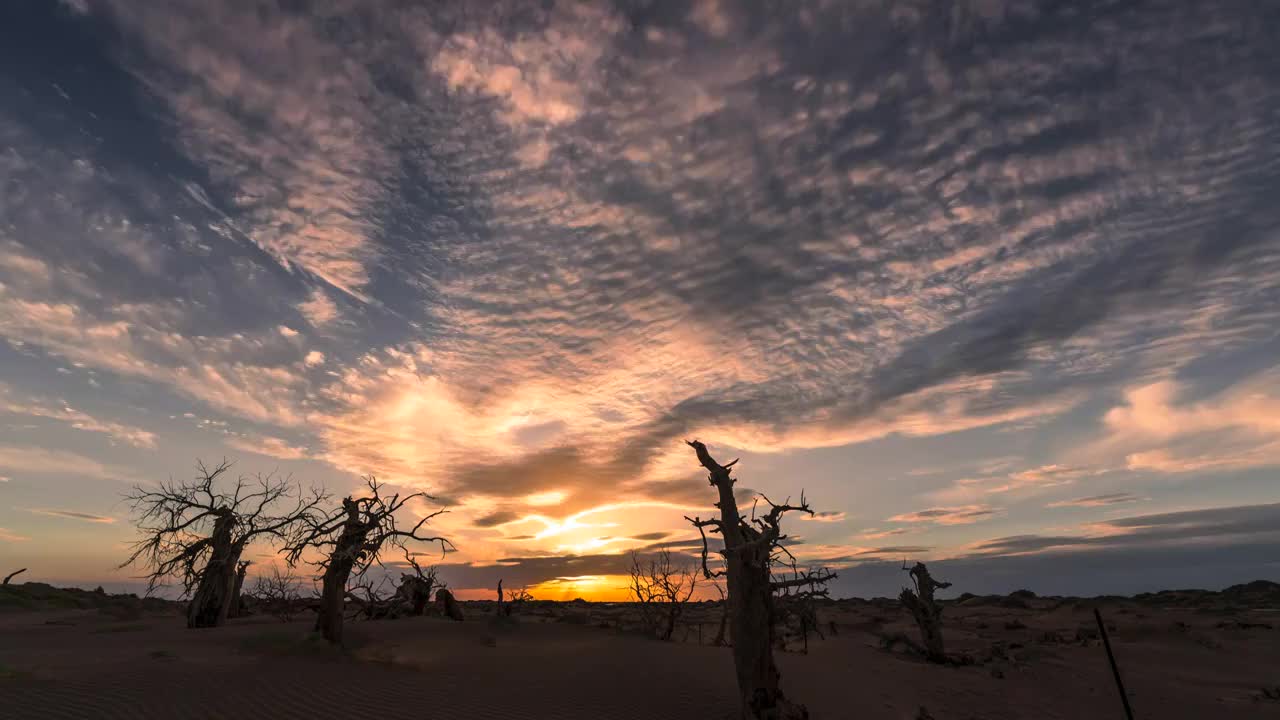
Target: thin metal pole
x=1115, y=669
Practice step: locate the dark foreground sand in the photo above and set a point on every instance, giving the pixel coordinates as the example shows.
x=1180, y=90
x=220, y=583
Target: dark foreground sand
x=1035, y=662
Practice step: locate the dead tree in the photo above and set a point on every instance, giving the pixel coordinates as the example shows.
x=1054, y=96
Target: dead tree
x=926, y=611
x=721, y=640
x=277, y=593
x=415, y=589
x=662, y=589
x=751, y=547
x=516, y=599
x=366, y=600
x=349, y=541
x=194, y=532
x=502, y=609
x=449, y=605
x=796, y=605
x=12, y=575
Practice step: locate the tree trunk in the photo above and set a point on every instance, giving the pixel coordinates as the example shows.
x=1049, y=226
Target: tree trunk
x=448, y=604
x=236, y=605
x=348, y=549
x=751, y=623
x=333, y=595
x=750, y=612
x=673, y=615
x=210, y=603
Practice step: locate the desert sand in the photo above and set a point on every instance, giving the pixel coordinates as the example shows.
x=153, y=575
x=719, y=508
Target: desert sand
x=1191, y=655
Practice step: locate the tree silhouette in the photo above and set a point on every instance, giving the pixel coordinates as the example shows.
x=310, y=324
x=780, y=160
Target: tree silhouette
x=350, y=540
x=751, y=548
x=926, y=611
x=194, y=532
x=661, y=588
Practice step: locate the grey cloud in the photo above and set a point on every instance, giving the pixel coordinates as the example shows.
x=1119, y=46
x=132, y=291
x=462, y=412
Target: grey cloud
x=897, y=550
x=1224, y=524
x=74, y=515
x=497, y=518
x=1098, y=500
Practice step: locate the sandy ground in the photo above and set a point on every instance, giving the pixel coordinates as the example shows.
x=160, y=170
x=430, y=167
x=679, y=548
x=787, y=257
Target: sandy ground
x=1040, y=662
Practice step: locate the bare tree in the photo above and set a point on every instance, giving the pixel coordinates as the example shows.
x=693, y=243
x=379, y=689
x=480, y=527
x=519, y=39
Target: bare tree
x=795, y=603
x=926, y=611
x=518, y=597
x=415, y=589
x=195, y=532
x=350, y=540
x=370, y=601
x=12, y=575
x=721, y=640
x=661, y=588
x=751, y=547
x=277, y=593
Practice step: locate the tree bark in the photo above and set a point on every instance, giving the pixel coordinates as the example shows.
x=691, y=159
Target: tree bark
x=211, y=602
x=333, y=592
x=750, y=609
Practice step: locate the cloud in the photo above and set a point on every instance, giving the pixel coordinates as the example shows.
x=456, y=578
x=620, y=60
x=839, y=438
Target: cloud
x=318, y=309
x=1235, y=428
x=270, y=446
x=77, y=419
x=897, y=550
x=313, y=358
x=1097, y=500
x=826, y=516
x=1207, y=525
x=874, y=534
x=9, y=536
x=495, y=519
x=962, y=515
x=74, y=515
x=305, y=149
x=38, y=461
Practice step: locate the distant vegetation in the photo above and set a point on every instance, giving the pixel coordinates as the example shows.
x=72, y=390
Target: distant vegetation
x=39, y=596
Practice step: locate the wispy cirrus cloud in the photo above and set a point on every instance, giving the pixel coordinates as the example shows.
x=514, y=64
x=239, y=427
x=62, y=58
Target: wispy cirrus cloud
x=40, y=461
x=267, y=445
x=76, y=418
x=73, y=515
x=962, y=515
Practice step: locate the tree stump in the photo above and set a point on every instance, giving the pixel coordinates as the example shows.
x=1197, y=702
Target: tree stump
x=448, y=605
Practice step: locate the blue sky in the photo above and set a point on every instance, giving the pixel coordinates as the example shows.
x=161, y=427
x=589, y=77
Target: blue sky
x=996, y=283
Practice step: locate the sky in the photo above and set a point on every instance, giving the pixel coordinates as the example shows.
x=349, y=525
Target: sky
x=995, y=283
